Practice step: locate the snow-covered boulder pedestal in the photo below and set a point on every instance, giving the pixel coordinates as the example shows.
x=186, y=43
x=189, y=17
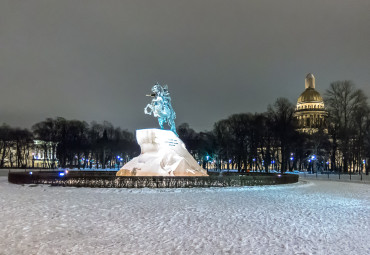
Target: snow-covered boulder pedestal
x=162, y=154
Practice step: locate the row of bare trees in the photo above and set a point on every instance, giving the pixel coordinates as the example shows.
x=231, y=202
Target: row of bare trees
x=248, y=141
x=15, y=146
x=66, y=143
x=78, y=144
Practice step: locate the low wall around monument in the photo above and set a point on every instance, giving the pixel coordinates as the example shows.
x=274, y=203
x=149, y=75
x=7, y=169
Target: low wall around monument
x=109, y=180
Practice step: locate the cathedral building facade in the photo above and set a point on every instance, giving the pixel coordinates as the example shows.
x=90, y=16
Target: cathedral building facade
x=310, y=113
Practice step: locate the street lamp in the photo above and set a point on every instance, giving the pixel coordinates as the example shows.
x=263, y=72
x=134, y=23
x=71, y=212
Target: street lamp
x=272, y=164
x=207, y=158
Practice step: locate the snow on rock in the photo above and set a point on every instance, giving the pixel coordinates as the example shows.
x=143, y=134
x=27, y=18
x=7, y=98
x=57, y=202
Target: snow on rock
x=313, y=217
x=162, y=154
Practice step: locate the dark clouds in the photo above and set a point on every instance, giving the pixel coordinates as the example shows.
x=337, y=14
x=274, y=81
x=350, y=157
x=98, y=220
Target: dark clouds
x=96, y=60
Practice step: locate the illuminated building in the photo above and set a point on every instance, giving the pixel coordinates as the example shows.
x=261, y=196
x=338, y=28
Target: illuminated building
x=310, y=112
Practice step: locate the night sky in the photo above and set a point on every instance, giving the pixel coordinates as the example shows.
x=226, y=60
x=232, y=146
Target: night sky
x=96, y=60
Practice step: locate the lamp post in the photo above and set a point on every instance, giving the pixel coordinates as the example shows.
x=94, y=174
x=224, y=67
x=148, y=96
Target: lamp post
x=292, y=162
x=118, y=160
x=207, y=158
x=313, y=158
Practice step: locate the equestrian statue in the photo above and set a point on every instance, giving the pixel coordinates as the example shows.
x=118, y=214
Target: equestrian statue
x=161, y=107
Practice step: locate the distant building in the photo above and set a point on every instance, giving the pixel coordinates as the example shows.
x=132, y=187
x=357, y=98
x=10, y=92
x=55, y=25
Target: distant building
x=310, y=113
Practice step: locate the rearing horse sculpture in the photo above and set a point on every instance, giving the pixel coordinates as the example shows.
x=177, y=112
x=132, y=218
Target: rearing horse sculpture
x=161, y=107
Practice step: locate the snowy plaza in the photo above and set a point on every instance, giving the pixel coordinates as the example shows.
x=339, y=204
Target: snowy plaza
x=309, y=217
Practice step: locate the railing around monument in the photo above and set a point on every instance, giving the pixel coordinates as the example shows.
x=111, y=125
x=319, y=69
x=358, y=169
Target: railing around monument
x=95, y=179
x=335, y=176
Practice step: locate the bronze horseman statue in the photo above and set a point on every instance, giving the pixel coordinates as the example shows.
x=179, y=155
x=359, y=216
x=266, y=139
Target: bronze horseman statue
x=161, y=107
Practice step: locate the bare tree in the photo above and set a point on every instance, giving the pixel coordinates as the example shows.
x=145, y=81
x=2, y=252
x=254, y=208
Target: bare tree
x=47, y=132
x=5, y=144
x=281, y=115
x=189, y=137
x=367, y=145
x=345, y=104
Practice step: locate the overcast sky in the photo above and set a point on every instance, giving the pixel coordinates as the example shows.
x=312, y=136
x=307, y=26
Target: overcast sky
x=96, y=60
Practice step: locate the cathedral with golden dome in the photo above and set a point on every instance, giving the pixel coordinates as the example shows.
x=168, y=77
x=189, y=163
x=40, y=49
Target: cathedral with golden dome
x=310, y=112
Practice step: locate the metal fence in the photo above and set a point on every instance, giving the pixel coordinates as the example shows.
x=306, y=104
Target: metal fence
x=109, y=180
x=332, y=176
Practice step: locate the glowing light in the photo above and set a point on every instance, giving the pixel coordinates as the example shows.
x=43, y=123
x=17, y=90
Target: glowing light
x=313, y=157
x=291, y=158
x=229, y=161
x=279, y=175
x=66, y=171
x=254, y=159
x=30, y=172
x=118, y=157
x=61, y=174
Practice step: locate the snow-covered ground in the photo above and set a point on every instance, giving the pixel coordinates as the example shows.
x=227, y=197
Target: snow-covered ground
x=309, y=217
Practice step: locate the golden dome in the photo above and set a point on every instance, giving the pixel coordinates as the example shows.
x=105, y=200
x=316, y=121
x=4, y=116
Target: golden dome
x=310, y=95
